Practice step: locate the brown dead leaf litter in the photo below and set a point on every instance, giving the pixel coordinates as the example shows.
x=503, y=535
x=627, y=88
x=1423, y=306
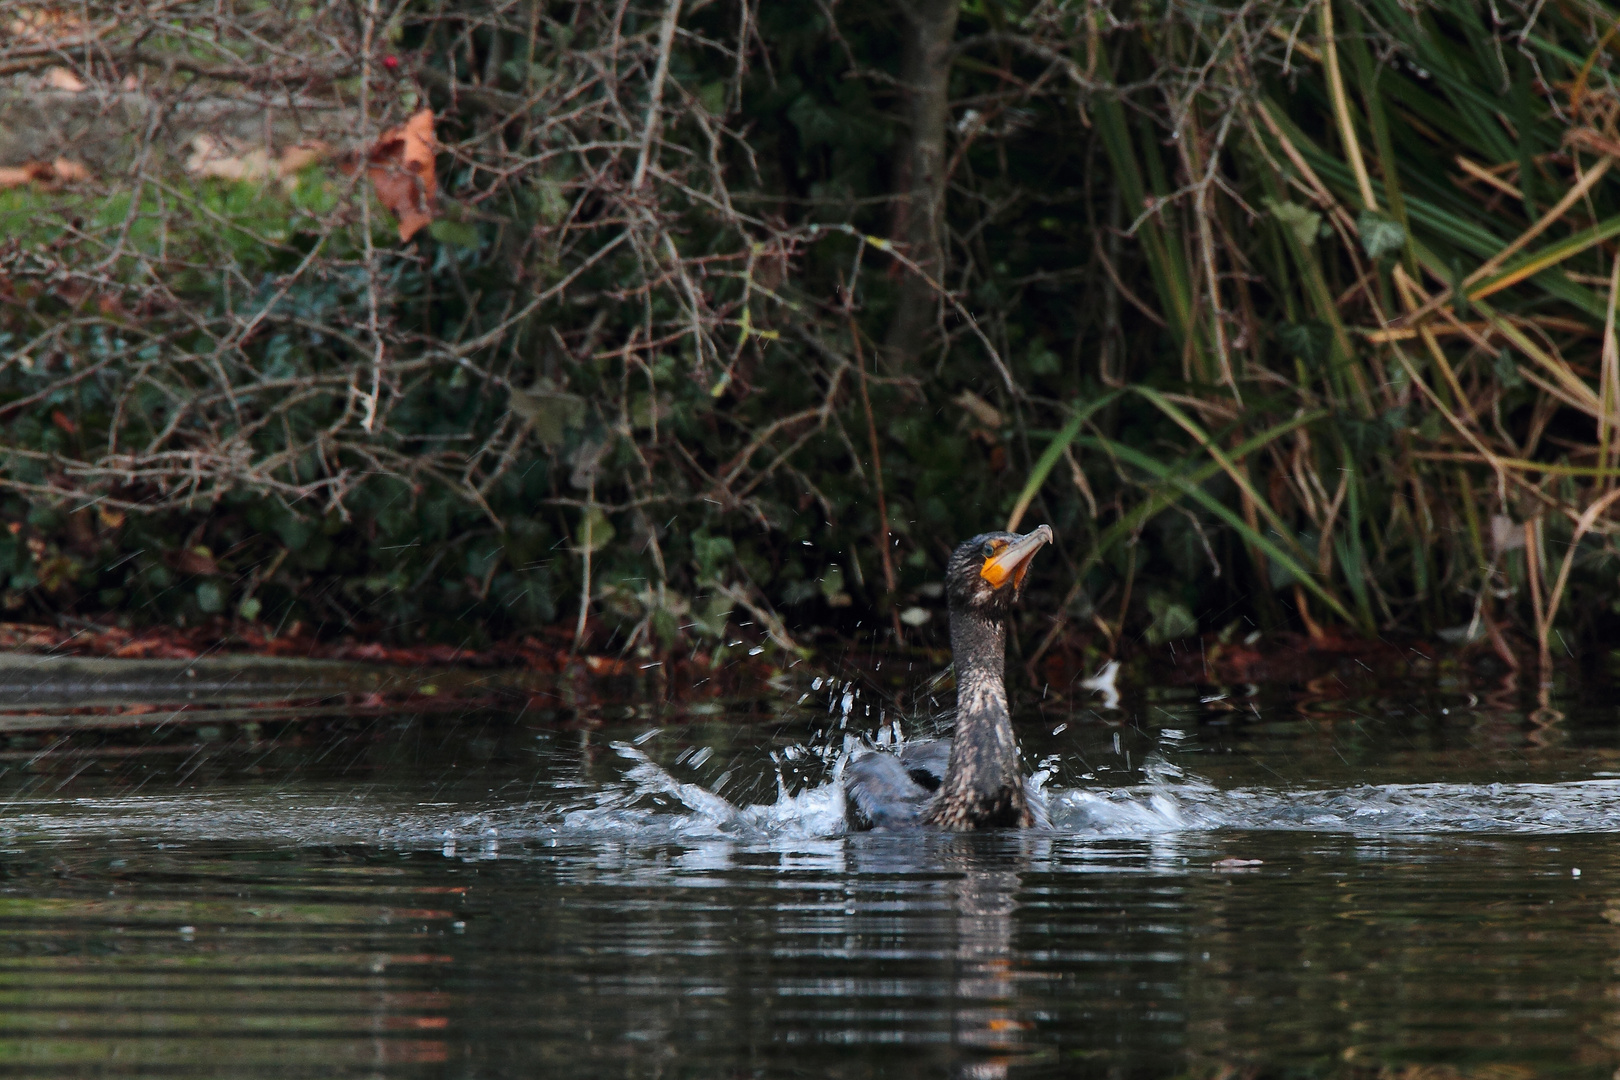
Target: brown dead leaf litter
x=215, y=157
x=46, y=174
x=399, y=164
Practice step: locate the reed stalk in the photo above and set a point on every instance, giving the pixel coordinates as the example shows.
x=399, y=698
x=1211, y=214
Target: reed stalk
x=1429, y=255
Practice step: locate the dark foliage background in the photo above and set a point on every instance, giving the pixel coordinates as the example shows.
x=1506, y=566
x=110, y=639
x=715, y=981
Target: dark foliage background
x=735, y=318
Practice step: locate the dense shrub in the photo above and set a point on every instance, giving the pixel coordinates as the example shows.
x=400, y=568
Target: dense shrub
x=702, y=332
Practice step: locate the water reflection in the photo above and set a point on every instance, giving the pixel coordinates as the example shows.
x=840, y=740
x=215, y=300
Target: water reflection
x=1480, y=959
x=1293, y=885
x=985, y=899
x=966, y=956
x=950, y=903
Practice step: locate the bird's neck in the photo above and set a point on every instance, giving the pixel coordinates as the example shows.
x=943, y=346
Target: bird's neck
x=982, y=785
x=979, y=647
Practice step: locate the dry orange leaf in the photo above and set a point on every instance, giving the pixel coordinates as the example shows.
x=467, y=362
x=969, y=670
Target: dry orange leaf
x=295, y=158
x=60, y=78
x=44, y=173
x=401, y=170
x=212, y=157
x=64, y=171
x=37, y=26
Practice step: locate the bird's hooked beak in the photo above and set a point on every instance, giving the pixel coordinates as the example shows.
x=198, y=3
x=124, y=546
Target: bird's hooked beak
x=1011, y=563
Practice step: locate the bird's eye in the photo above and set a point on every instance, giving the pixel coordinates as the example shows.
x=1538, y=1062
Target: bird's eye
x=989, y=549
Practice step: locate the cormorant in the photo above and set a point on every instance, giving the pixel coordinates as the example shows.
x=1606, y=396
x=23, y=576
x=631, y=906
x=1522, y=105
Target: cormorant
x=972, y=781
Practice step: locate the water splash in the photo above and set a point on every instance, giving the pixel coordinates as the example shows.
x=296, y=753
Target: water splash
x=650, y=805
x=814, y=811
x=647, y=803
x=1169, y=802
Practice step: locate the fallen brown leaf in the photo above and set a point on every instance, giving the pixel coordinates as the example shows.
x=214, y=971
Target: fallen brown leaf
x=607, y=665
x=36, y=26
x=401, y=171
x=60, y=78
x=16, y=175
x=212, y=157
x=981, y=410
x=64, y=171
x=44, y=173
x=197, y=560
x=294, y=159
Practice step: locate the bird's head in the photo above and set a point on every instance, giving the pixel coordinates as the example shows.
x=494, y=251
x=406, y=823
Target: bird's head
x=986, y=574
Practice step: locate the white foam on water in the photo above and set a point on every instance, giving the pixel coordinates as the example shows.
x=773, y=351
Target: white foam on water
x=648, y=804
x=816, y=811
x=1170, y=802
x=1167, y=803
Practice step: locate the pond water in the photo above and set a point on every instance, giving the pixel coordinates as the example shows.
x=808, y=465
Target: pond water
x=1416, y=881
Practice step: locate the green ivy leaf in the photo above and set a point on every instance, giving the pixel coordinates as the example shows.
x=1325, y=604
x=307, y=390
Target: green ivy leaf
x=712, y=620
x=664, y=627
x=832, y=582
x=553, y=201
x=713, y=98
x=1311, y=341
x=1043, y=361
x=1171, y=620
x=712, y=553
x=552, y=412
x=461, y=233
x=595, y=531
x=1379, y=235
x=210, y=597
x=1301, y=221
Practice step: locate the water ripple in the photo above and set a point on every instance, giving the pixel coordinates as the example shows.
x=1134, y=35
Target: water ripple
x=648, y=804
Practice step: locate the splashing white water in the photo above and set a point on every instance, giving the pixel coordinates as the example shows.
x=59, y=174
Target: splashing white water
x=648, y=804
x=1169, y=802
x=813, y=812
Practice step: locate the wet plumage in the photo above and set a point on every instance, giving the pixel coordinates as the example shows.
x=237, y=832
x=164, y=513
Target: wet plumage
x=973, y=780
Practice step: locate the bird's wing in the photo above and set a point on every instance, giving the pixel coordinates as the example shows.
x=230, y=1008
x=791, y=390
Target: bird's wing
x=879, y=793
x=926, y=760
